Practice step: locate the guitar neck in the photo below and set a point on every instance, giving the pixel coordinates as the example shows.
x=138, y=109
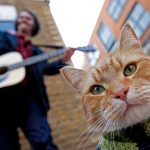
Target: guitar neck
x=36, y=59
x=39, y=58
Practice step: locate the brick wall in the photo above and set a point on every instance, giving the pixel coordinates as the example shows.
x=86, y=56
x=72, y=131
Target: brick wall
x=66, y=115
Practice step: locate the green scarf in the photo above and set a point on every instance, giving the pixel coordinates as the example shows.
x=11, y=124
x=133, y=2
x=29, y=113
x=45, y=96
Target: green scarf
x=121, y=141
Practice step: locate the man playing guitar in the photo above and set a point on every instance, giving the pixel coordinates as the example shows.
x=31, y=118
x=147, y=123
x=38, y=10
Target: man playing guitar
x=25, y=104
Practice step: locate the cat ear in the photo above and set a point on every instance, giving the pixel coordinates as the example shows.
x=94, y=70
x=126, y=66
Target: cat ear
x=129, y=39
x=73, y=76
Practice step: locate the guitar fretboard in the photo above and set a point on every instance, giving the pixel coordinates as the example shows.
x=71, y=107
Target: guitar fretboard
x=36, y=59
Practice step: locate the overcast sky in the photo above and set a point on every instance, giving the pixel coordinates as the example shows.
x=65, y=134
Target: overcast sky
x=76, y=20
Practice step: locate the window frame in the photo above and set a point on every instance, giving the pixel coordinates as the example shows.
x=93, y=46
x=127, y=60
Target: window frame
x=110, y=37
x=6, y=19
x=119, y=5
x=135, y=21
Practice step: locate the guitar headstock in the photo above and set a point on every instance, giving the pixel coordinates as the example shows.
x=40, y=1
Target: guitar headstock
x=88, y=48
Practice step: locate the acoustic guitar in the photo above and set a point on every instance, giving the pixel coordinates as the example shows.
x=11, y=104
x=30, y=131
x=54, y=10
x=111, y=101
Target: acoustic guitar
x=12, y=65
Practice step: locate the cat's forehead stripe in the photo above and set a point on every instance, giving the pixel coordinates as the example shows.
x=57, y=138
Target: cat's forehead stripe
x=115, y=61
x=96, y=76
x=106, y=69
x=100, y=69
x=111, y=63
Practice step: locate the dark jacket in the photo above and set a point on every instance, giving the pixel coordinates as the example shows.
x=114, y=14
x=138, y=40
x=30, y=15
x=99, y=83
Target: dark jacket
x=8, y=43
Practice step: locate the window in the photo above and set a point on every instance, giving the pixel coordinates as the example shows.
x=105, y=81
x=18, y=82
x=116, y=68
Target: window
x=106, y=36
x=8, y=15
x=139, y=19
x=115, y=8
x=6, y=25
x=146, y=46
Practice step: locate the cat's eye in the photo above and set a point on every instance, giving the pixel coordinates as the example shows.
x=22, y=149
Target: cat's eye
x=97, y=89
x=130, y=70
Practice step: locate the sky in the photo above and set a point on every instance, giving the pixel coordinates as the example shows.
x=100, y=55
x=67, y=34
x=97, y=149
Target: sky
x=75, y=20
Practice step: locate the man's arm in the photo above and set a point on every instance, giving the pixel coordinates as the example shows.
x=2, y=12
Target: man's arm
x=53, y=67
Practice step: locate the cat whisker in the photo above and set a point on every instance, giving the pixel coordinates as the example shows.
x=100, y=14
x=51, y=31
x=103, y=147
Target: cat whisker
x=117, y=131
x=109, y=119
x=98, y=123
x=108, y=114
x=104, y=129
x=80, y=124
x=91, y=127
x=117, y=124
x=112, y=111
x=90, y=137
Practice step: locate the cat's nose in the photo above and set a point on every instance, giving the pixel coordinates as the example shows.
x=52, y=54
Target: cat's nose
x=121, y=94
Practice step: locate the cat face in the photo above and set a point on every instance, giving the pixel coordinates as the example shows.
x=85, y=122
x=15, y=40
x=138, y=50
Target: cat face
x=116, y=92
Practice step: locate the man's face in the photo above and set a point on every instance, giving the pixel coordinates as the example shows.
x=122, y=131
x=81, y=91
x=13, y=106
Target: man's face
x=25, y=23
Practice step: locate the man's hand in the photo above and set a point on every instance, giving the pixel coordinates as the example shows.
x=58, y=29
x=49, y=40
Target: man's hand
x=67, y=55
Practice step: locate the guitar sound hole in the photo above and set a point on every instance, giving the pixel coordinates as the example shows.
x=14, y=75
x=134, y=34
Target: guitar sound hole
x=3, y=70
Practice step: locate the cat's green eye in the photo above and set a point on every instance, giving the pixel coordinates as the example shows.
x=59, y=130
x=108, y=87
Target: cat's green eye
x=130, y=70
x=97, y=89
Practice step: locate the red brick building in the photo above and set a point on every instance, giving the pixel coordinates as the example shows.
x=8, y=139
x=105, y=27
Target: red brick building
x=113, y=15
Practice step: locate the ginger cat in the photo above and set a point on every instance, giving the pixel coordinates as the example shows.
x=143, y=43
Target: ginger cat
x=116, y=93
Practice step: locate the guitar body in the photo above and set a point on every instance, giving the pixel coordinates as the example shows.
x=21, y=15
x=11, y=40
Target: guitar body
x=14, y=76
